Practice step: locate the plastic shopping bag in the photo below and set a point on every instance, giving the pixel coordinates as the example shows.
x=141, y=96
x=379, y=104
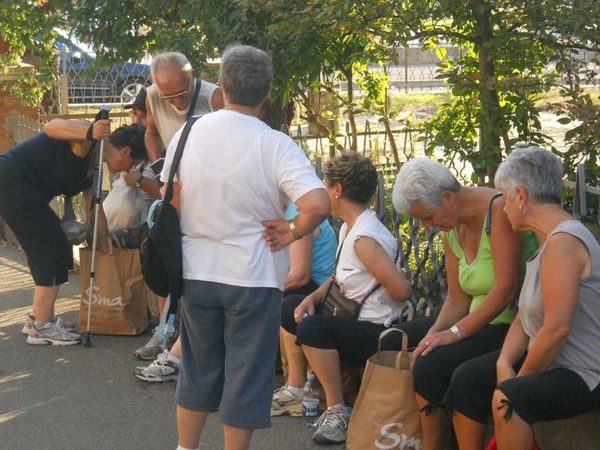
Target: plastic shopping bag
x=124, y=207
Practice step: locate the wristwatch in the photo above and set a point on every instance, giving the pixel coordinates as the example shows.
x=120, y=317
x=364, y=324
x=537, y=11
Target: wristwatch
x=138, y=182
x=456, y=331
x=295, y=234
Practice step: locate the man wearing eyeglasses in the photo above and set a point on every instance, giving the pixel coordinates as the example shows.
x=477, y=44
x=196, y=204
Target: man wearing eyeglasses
x=169, y=99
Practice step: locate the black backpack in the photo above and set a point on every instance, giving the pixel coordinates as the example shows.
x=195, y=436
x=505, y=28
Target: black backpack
x=161, y=251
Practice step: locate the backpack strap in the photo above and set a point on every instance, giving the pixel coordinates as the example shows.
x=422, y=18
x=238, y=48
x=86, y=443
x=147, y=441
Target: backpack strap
x=178, y=154
x=488, y=215
x=190, y=112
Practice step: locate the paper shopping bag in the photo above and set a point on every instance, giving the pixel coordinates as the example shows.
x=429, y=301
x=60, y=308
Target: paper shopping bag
x=118, y=298
x=386, y=415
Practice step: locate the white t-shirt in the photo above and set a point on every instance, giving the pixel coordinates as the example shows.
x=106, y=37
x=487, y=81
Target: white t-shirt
x=353, y=278
x=236, y=172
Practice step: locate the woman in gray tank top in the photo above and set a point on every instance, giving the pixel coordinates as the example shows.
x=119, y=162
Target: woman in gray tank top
x=549, y=365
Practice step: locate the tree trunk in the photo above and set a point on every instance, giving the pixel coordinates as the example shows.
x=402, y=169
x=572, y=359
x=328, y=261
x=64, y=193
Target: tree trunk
x=489, y=157
x=277, y=114
x=351, y=120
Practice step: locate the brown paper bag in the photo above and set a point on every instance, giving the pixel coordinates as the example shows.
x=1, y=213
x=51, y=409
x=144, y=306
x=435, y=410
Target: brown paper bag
x=385, y=413
x=119, y=304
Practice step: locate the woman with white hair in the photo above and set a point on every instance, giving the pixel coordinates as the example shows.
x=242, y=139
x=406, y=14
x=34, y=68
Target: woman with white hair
x=483, y=257
x=549, y=365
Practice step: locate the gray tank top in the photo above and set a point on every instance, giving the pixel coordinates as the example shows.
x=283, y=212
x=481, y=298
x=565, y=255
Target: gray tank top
x=581, y=351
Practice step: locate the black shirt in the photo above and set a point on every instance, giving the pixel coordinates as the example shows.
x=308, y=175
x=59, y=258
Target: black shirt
x=51, y=165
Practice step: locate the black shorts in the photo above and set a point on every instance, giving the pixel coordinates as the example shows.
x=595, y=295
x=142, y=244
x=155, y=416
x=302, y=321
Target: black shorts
x=554, y=394
x=438, y=376
x=25, y=209
x=550, y=395
x=355, y=340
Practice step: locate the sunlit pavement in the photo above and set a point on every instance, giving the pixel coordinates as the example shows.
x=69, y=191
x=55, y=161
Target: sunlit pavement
x=87, y=398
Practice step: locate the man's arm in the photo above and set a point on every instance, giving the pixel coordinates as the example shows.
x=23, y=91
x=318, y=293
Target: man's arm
x=154, y=145
x=313, y=208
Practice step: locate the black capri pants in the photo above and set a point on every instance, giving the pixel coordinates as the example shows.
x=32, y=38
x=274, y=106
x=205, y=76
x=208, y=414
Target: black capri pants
x=24, y=207
x=550, y=395
x=437, y=376
x=355, y=340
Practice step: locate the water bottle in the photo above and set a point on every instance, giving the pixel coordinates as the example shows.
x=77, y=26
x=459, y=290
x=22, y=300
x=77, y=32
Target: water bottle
x=310, y=401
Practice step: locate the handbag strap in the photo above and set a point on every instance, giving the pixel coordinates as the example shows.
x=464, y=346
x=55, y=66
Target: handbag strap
x=488, y=216
x=377, y=286
x=178, y=154
x=190, y=112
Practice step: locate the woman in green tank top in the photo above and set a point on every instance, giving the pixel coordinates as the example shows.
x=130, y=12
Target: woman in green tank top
x=483, y=261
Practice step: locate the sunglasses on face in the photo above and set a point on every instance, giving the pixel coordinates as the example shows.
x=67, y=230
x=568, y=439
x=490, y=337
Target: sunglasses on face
x=172, y=96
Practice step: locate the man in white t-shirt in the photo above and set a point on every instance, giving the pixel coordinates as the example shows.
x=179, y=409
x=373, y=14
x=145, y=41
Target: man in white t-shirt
x=235, y=178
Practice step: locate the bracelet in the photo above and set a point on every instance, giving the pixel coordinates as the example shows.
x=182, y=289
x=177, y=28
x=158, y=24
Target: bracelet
x=90, y=133
x=293, y=231
x=456, y=331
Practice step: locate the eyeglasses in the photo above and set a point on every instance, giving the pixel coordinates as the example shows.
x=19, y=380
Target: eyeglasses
x=180, y=94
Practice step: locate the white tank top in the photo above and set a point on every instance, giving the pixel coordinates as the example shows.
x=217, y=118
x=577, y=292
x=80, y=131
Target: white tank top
x=353, y=278
x=169, y=119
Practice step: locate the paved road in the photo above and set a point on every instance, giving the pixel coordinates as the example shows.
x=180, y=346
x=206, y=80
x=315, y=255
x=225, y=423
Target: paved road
x=87, y=398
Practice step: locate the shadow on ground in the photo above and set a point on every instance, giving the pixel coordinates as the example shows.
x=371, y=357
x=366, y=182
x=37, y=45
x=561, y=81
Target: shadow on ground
x=87, y=398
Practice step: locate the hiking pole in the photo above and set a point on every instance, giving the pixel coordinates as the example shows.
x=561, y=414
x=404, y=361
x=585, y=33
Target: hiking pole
x=102, y=115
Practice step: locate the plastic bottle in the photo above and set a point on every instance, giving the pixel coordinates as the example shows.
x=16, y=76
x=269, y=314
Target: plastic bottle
x=310, y=401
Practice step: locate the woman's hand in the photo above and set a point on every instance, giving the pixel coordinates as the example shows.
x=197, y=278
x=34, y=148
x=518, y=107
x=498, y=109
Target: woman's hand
x=101, y=129
x=305, y=308
x=504, y=371
x=431, y=341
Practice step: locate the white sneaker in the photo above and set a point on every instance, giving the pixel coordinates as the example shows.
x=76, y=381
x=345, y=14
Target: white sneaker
x=162, y=369
x=62, y=322
x=285, y=402
x=333, y=425
x=53, y=333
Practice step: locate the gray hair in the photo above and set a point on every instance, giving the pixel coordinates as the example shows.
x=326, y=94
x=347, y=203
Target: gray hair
x=536, y=170
x=246, y=73
x=422, y=180
x=173, y=59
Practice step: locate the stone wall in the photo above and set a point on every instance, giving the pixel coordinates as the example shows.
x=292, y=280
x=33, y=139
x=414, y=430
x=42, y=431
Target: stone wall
x=9, y=105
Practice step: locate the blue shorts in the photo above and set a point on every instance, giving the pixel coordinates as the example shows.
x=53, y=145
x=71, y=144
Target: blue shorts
x=229, y=341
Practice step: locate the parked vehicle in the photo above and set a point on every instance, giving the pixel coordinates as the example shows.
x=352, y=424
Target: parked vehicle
x=90, y=83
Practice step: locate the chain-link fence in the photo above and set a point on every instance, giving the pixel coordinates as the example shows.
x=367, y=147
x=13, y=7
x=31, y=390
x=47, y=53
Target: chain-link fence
x=81, y=80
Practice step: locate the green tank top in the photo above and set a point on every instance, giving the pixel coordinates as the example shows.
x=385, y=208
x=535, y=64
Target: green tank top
x=477, y=279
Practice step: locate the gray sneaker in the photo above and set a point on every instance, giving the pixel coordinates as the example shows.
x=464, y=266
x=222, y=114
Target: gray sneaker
x=285, y=402
x=62, y=322
x=52, y=333
x=150, y=350
x=162, y=369
x=333, y=425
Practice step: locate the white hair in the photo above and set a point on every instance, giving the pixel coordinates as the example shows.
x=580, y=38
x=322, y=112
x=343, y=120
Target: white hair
x=422, y=180
x=536, y=170
x=173, y=59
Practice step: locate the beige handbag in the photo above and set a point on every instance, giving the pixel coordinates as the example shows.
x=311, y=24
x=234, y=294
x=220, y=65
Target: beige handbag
x=386, y=415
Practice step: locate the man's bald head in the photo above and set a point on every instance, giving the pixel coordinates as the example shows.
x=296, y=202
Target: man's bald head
x=173, y=75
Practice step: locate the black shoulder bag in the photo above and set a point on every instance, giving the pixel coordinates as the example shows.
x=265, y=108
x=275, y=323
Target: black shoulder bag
x=161, y=251
x=336, y=304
